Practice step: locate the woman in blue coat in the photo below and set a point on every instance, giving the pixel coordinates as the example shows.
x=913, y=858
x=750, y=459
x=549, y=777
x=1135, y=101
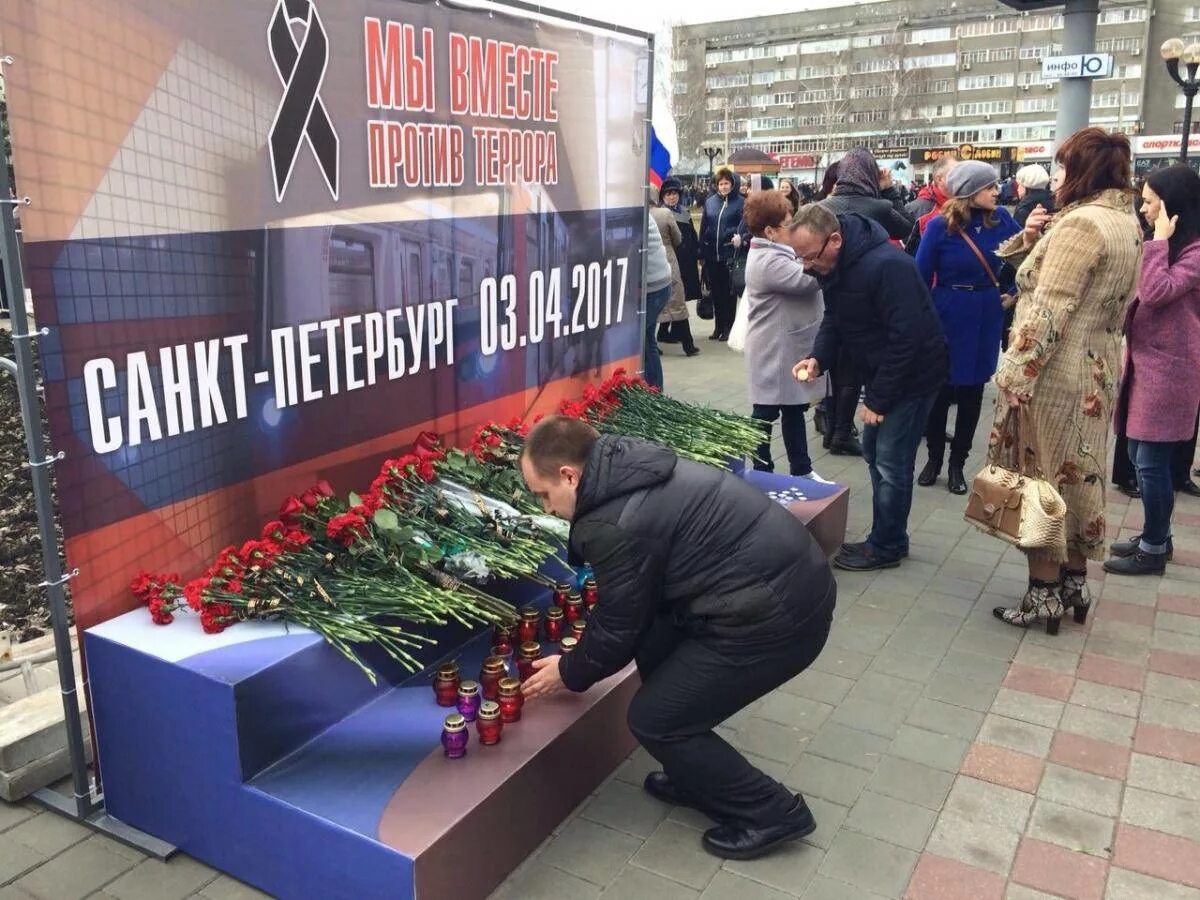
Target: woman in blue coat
x=971, y=289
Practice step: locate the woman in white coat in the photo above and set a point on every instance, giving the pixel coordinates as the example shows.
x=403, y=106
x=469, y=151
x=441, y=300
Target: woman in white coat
x=784, y=308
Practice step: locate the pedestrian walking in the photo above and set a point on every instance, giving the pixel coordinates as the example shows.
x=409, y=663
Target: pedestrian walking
x=675, y=313
x=971, y=288
x=718, y=225
x=878, y=310
x=679, y=330
x=1159, y=398
x=718, y=593
x=784, y=309
x=1076, y=278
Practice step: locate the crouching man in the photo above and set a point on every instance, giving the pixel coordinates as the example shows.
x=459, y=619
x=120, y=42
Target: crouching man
x=717, y=592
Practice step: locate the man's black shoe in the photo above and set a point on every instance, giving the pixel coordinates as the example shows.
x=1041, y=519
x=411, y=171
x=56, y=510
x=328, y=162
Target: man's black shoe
x=858, y=548
x=692, y=351
x=1190, y=488
x=737, y=842
x=864, y=558
x=1121, y=549
x=1141, y=563
x=845, y=446
x=660, y=787
x=957, y=482
x=929, y=474
x=1130, y=490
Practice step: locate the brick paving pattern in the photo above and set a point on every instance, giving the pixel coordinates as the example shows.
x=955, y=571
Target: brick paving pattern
x=945, y=755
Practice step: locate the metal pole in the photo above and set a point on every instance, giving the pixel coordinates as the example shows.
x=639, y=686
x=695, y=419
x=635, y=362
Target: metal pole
x=1189, y=93
x=1075, y=94
x=39, y=463
x=647, y=223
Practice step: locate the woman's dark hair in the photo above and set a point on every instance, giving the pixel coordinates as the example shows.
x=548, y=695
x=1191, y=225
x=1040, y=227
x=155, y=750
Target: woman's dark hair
x=1095, y=161
x=827, y=183
x=763, y=209
x=792, y=195
x=1178, y=187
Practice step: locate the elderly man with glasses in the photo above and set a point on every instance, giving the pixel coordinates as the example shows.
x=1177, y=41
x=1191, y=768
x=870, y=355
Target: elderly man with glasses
x=879, y=312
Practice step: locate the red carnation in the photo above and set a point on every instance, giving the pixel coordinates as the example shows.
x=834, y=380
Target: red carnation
x=427, y=440
x=273, y=530
x=142, y=584
x=291, y=511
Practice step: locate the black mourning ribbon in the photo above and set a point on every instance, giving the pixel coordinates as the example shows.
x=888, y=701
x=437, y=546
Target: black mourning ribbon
x=301, y=112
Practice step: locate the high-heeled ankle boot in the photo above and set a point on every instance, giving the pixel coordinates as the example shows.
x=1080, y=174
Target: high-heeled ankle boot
x=1041, y=603
x=1074, y=593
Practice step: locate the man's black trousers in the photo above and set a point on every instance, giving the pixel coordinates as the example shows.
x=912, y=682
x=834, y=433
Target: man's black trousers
x=692, y=684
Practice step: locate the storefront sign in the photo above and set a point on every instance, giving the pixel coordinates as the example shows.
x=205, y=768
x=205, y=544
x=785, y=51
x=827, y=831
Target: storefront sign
x=796, y=161
x=963, y=151
x=1162, y=144
x=1083, y=65
x=882, y=153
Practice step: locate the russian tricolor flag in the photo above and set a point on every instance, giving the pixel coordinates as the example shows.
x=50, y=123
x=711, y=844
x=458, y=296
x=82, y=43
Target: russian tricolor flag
x=660, y=160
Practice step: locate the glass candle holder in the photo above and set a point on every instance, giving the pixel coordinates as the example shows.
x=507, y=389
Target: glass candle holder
x=562, y=590
x=555, y=624
x=568, y=644
x=489, y=677
x=455, y=736
x=504, y=635
x=511, y=700
x=445, y=684
x=488, y=723
x=469, y=700
x=575, y=608
x=531, y=620
x=505, y=654
x=577, y=629
x=591, y=594
x=528, y=652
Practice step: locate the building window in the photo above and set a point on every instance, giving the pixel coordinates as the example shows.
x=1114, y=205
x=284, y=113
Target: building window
x=679, y=65
x=980, y=82
x=832, y=45
x=988, y=27
x=1042, y=23
x=1120, y=45
x=930, y=62
x=929, y=35
x=680, y=87
x=1125, y=14
x=873, y=40
x=1037, y=104
x=876, y=64
x=985, y=108
x=994, y=54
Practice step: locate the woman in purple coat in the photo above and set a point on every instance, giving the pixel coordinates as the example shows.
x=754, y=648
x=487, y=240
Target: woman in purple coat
x=1160, y=389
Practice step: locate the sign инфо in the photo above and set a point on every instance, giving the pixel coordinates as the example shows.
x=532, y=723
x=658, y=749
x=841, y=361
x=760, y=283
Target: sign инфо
x=1084, y=65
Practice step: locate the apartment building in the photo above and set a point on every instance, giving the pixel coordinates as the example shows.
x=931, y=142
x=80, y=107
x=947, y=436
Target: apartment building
x=908, y=74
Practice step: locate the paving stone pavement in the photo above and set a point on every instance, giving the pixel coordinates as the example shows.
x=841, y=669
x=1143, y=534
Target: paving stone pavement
x=946, y=756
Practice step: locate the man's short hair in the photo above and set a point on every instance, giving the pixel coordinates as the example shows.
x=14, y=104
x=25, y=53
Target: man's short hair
x=559, y=441
x=942, y=164
x=817, y=219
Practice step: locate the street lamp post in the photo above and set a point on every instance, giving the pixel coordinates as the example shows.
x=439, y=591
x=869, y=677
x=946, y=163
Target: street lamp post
x=712, y=153
x=1173, y=52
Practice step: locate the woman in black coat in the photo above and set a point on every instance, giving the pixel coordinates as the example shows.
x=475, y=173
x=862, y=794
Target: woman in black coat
x=688, y=254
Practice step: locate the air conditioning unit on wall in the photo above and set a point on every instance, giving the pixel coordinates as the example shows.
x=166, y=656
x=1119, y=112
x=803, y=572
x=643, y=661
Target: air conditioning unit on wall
x=1136, y=51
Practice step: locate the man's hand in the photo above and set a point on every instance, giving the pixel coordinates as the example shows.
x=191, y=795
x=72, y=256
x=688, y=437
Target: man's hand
x=870, y=417
x=546, y=681
x=806, y=370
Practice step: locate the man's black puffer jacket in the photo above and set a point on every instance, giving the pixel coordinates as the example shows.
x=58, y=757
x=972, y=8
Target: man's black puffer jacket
x=670, y=537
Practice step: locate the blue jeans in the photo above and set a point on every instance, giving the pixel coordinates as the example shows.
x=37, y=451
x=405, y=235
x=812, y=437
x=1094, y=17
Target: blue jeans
x=1152, y=460
x=890, y=450
x=656, y=302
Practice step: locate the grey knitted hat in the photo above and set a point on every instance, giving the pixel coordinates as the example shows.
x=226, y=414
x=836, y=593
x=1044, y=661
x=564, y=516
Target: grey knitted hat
x=969, y=178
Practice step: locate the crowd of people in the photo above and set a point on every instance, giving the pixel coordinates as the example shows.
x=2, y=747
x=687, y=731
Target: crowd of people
x=896, y=307
x=902, y=304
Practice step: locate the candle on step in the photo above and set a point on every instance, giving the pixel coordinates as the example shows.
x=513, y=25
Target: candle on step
x=488, y=724
x=455, y=736
x=511, y=700
x=445, y=684
x=530, y=650
x=468, y=700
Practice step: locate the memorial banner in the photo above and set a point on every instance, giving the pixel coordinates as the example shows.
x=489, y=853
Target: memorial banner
x=272, y=240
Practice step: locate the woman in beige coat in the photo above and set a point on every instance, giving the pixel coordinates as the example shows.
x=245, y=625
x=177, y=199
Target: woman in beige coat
x=1060, y=369
x=676, y=309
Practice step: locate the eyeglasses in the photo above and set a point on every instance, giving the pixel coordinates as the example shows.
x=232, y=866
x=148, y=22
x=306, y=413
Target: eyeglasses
x=806, y=260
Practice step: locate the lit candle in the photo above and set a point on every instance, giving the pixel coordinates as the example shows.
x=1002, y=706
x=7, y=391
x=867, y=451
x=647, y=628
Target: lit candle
x=591, y=593
x=504, y=635
x=530, y=620
x=562, y=590
x=445, y=684
x=468, y=700
x=555, y=620
x=529, y=651
x=488, y=723
x=455, y=736
x=577, y=629
x=489, y=677
x=511, y=700
x=575, y=608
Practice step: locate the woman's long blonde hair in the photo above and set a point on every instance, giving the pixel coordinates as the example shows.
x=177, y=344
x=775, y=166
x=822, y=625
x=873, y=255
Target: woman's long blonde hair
x=957, y=211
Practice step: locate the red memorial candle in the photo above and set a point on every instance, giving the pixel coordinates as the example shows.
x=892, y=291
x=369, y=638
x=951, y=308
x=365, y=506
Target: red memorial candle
x=555, y=624
x=489, y=677
x=562, y=591
x=591, y=593
x=530, y=620
x=511, y=700
x=529, y=651
x=568, y=644
x=445, y=684
x=575, y=608
x=505, y=635
x=577, y=629
x=488, y=723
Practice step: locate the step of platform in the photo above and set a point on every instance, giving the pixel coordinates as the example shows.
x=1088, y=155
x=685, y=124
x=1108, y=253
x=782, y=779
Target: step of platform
x=33, y=739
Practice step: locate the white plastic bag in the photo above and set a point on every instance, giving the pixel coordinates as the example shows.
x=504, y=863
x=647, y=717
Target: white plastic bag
x=741, y=324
